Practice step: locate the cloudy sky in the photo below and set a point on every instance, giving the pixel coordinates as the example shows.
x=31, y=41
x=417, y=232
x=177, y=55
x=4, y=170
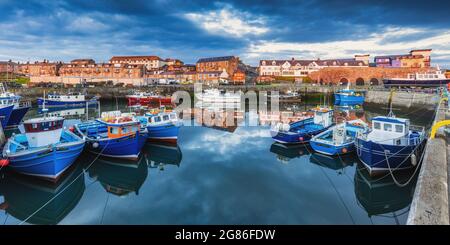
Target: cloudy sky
x=252, y=30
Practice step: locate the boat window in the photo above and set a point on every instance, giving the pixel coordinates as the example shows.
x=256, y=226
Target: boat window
x=34, y=125
x=399, y=128
x=157, y=119
x=125, y=130
x=114, y=130
x=398, y=142
x=387, y=127
x=173, y=116
x=377, y=125
x=166, y=117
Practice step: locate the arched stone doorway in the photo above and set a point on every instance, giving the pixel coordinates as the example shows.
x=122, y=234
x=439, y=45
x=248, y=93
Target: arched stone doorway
x=359, y=82
x=374, y=82
x=343, y=81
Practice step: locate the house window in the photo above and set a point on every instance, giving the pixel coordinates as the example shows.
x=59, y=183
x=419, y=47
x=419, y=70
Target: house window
x=388, y=127
x=399, y=128
x=377, y=125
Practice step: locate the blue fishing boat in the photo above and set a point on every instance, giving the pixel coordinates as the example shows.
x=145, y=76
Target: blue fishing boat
x=44, y=150
x=391, y=144
x=303, y=130
x=65, y=100
x=20, y=108
x=348, y=97
x=339, y=139
x=5, y=113
x=113, y=135
x=162, y=125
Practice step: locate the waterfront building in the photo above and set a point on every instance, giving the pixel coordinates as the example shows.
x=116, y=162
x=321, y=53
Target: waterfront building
x=213, y=77
x=86, y=69
x=40, y=69
x=150, y=62
x=173, y=62
x=302, y=68
x=8, y=67
x=238, y=77
x=416, y=58
x=217, y=65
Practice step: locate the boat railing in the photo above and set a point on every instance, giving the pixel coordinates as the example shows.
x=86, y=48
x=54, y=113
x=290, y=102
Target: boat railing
x=25, y=103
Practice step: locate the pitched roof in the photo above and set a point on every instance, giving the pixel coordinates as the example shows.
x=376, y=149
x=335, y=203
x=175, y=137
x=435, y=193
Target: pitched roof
x=328, y=62
x=137, y=57
x=215, y=59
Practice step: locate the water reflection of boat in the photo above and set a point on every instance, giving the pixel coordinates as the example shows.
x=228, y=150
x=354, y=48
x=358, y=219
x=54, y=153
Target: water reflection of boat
x=158, y=155
x=382, y=195
x=285, y=153
x=41, y=202
x=333, y=162
x=119, y=176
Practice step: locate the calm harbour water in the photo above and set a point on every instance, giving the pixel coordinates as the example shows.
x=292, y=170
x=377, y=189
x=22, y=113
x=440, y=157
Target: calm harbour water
x=213, y=176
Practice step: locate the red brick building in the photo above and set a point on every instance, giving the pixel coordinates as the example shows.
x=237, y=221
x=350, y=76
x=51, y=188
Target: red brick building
x=89, y=69
x=218, y=64
x=44, y=68
x=238, y=77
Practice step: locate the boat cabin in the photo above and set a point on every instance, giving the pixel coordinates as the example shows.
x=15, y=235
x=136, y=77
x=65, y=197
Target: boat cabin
x=68, y=97
x=323, y=116
x=162, y=118
x=118, y=125
x=43, y=131
x=390, y=130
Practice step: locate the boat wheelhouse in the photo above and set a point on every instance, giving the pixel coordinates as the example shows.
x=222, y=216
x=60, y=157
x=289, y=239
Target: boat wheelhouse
x=391, y=144
x=20, y=107
x=219, y=96
x=46, y=149
x=113, y=135
x=65, y=100
x=162, y=125
x=303, y=130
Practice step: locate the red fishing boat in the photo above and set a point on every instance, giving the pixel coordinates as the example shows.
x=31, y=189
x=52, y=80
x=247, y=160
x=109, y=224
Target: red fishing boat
x=145, y=98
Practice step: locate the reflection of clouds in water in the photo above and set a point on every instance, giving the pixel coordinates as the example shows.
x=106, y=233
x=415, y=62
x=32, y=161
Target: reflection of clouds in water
x=224, y=143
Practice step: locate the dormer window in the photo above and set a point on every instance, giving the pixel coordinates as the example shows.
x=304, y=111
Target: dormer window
x=263, y=63
x=274, y=63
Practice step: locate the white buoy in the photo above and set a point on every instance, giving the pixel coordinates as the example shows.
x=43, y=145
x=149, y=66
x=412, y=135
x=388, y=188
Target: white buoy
x=413, y=159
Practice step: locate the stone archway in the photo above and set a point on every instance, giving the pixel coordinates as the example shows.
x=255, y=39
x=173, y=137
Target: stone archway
x=374, y=82
x=359, y=81
x=343, y=81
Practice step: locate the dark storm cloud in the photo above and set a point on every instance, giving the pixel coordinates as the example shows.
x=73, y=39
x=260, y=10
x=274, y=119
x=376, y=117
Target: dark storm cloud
x=192, y=29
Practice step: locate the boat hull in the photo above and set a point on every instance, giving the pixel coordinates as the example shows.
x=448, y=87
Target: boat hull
x=5, y=114
x=295, y=138
x=163, y=133
x=148, y=100
x=16, y=117
x=348, y=99
x=57, y=103
x=47, y=163
x=330, y=149
x=373, y=156
x=127, y=147
x=415, y=83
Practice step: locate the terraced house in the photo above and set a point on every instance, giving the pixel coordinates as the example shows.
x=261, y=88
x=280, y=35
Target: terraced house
x=415, y=59
x=302, y=68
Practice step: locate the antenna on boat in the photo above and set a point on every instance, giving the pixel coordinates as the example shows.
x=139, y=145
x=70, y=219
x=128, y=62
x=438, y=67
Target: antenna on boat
x=391, y=114
x=44, y=110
